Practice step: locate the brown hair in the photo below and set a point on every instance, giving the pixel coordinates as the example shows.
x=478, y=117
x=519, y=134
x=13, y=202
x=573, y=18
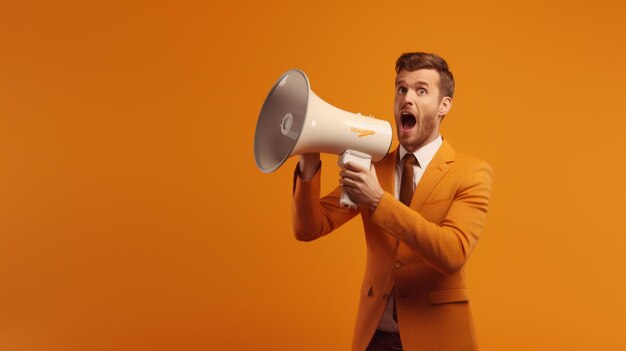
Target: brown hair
x=412, y=61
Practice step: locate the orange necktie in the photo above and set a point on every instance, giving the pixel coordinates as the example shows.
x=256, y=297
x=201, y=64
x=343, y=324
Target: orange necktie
x=406, y=185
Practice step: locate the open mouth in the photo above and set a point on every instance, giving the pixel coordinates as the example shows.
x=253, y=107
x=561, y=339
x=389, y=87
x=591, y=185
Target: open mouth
x=407, y=120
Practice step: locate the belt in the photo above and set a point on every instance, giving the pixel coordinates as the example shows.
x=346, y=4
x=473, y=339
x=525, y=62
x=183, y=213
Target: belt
x=390, y=340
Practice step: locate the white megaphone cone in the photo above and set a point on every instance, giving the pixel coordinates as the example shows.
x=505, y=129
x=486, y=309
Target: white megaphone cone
x=294, y=121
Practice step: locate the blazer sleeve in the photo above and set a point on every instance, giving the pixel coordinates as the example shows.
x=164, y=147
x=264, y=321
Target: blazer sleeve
x=312, y=216
x=445, y=246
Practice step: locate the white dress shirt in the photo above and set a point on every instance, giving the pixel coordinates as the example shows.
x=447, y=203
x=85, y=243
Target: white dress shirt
x=424, y=155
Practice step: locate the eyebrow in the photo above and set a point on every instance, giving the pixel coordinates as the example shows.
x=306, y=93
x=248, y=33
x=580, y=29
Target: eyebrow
x=420, y=81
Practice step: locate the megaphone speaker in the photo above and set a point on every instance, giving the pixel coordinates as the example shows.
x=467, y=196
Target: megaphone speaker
x=294, y=121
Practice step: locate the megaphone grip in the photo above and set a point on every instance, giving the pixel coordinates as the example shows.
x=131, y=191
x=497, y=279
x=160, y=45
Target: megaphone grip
x=359, y=158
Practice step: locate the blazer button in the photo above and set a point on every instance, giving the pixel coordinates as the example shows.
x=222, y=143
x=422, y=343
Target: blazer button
x=398, y=265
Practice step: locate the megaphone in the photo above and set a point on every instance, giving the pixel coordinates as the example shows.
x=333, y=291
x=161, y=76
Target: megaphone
x=294, y=121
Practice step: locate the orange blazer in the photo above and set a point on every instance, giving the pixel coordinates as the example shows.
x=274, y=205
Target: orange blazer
x=416, y=252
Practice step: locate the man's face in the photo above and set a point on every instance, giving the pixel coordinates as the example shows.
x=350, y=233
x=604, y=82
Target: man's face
x=418, y=107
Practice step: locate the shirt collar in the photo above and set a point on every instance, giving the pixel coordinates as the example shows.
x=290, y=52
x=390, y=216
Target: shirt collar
x=424, y=154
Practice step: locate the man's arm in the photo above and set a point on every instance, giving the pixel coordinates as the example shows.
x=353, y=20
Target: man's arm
x=444, y=246
x=447, y=246
x=312, y=216
x=308, y=164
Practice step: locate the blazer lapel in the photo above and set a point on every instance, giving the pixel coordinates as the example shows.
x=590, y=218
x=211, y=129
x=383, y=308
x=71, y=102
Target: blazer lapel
x=436, y=169
x=385, y=170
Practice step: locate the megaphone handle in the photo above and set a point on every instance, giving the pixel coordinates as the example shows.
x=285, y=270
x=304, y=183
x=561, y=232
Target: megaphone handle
x=357, y=157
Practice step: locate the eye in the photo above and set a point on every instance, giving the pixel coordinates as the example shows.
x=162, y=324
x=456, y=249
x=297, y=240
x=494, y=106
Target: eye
x=421, y=91
x=401, y=90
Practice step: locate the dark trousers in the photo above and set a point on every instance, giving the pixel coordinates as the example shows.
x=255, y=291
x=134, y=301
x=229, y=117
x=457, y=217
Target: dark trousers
x=383, y=341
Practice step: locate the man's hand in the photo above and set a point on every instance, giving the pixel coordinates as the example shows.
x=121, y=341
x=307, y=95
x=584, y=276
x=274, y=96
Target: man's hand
x=361, y=185
x=308, y=165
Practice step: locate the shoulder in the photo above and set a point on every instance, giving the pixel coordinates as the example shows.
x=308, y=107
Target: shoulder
x=472, y=173
x=467, y=170
x=469, y=162
x=460, y=160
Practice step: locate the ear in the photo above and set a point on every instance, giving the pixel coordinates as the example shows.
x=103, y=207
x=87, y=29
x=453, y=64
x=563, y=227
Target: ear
x=444, y=106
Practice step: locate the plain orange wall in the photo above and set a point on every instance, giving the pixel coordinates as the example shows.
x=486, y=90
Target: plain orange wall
x=132, y=216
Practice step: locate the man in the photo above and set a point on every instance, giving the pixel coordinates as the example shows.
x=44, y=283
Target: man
x=423, y=208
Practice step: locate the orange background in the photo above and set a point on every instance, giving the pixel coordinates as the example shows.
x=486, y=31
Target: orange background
x=133, y=216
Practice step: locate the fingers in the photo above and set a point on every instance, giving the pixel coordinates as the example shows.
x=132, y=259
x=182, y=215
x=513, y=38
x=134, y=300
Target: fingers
x=353, y=171
x=348, y=183
x=352, y=177
x=345, y=173
x=355, y=167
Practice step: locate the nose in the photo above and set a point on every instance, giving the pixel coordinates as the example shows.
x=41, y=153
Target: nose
x=408, y=98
